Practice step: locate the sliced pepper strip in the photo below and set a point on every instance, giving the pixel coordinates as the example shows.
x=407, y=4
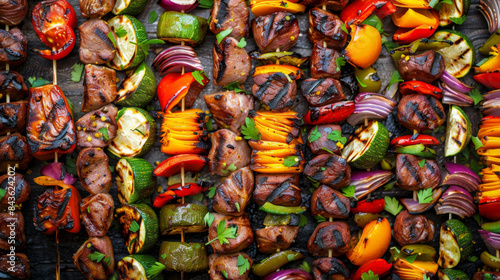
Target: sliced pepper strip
x=270, y=208
x=408, y=35
x=373, y=206
x=411, y=18
x=418, y=4
x=173, y=165
x=489, y=208
x=379, y=267
x=407, y=140
x=359, y=10
x=489, y=79
x=176, y=191
x=419, y=87
x=492, y=64
x=174, y=86
x=265, y=7
x=331, y=113
x=294, y=72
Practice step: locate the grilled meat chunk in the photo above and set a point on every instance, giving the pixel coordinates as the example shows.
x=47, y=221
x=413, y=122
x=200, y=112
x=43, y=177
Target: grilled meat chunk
x=319, y=92
x=279, y=189
x=276, y=30
x=326, y=27
x=335, y=5
x=411, y=229
x=96, y=8
x=274, y=90
x=90, y=268
x=14, y=151
x=12, y=12
x=95, y=45
x=232, y=64
x=227, y=14
x=244, y=234
x=420, y=112
x=96, y=212
x=324, y=62
x=236, y=188
x=12, y=83
x=330, y=203
x=12, y=225
x=99, y=87
x=17, y=190
x=21, y=268
x=426, y=67
x=329, y=235
x=270, y=239
x=412, y=177
x=227, y=153
x=13, y=116
x=329, y=268
x=225, y=266
x=229, y=109
x=13, y=47
x=323, y=145
x=93, y=123
x=480, y=275
x=92, y=167
x=329, y=169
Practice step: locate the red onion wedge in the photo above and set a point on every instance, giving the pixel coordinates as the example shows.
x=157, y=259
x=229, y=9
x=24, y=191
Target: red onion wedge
x=174, y=58
x=462, y=176
x=56, y=170
x=454, y=83
x=491, y=240
x=491, y=11
x=370, y=106
x=456, y=200
x=414, y=207
x=289, y=274
x=178, y=5
x=454, y=97
x=368, y=181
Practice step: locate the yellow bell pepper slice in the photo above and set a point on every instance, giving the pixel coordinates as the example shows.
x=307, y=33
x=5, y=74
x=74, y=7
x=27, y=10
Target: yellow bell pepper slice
x=492, y=64
x=261, y=8
x=411, y=18
x=374, y=242
x=417, y=4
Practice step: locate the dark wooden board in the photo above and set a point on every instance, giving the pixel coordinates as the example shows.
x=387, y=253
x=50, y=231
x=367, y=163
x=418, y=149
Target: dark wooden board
x=41, y=249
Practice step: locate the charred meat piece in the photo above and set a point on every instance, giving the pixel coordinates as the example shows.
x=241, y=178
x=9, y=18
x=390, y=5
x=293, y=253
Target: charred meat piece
x=243, y=231
x=232, y=64
x=329, y=169
x=411, y=229
x=92, y=167
x=277, y=189
x=229, y=109
x=420, y=112
x=276, y=30
x=12, y=226
x=333, y=236
x=274, y=90
x=324, y=62
x=426, y=67
x=335, y=5
x=95, y=45
x=329, y=268
x=13, y=116
x=14, y=151
x=91, y=268
x=225, y=266
x=99, y=87
x=13, y=47
x=96, y=212
x=12, y=12
x=270, y=239
x=236, y=188
x=330, y=203
x=480, y=275
x=326, y=27
x=21, y=268
x=12, y=83
x=18, y=188
x=226, y=14
x=92, y=124
x=319, y=92
x=95, y=8
x=226, y=153
x=323, y=145
x=412, y=177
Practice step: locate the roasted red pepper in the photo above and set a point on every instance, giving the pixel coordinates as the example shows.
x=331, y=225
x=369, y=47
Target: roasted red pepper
x=408, y=35
x=369, y=206
x=174, y=86
x=173, y=165
x=408, y=140
x=57, y=208
x=359, y=10
x=176, y=191
x=490, y=208
x=379, y=267
x=489, y=79
x=54, y=21
x=419, y=87
x=331, y=113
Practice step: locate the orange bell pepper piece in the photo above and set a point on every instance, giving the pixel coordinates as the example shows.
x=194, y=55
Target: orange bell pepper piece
x=411, y=18
x=492, y=64
x=365, y=46
x=274, y=68
x=374, y=242
x=416, y=270
x=416, y=4
x=265, y=7
x=409, y=35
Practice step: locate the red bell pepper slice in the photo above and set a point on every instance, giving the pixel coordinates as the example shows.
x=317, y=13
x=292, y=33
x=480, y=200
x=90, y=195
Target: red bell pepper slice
x=176, y=191
x=174, y=86
x=379, y=267
x=490, y=208
x=418, y=87
x=173, y=165
x=408, y=140
x=369, y=206
x=407, y=35
x=359, y=10
x=489, y=79
x=331, y=113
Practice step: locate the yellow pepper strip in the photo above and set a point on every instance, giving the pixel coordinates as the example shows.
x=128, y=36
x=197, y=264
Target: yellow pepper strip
x=260, y=8
x=411, y=18
x=270, y=145
x=277, y=136
x=188, y=112
x=488, y=132
x=489, y=186
x=276, y=153
x=267, y=160
x=492, y=160
x=490, y=179
x=365, y=46
x=273, y=115
x=274, y=68
x=181, y=147
x=183, y=137
x=276, y=168
x=416, y=270
x=493, y=194
x=374, y=242
x=417, y=4
x=490, y=142
x=492, y=64
x=274, y=125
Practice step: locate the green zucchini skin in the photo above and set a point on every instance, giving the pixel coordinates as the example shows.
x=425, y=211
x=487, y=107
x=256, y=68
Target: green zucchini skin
x=187, y=217
x=182, y=256
x=147, y=220
x=126, y=267
x=135, y=184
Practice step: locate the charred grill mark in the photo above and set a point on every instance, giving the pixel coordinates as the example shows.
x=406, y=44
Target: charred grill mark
x=268, y=26
x=221, y=57
x=430, y=167
x=277, y=191
x=222, y=13
x=339, y=204
x=435, y=68
x=103, y=37
x=219, y=151
x=238, y=180
x=407, y=164
x=337, y=268
x=310, y=86
x=435, y=107
x=278, y=96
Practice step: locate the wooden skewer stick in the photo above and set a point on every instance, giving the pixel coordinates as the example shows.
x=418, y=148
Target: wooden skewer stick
x=497, y=254
x=415, y=193
x=183, y=107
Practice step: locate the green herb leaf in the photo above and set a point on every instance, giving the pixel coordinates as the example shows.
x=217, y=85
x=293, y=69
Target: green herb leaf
x=349, y=191
x=284, y=4
x=344, y=28
x=319, y=218
x=360, y=82
x=439, y=5
x=243, y=264
x=396, y=77
x=305, y=267
x=76, y=74
x=291, y=257
x=314, y=135
x=390, y=45
x=96, y=256
x=211, y=192
x=424, y=196
x=107, y=260
x=224, y=273
x=144, y=45
x=473, y=259
x=70, y=165
x=250, y=131
x=112, y=38
x=374, y=21
x=237, y=205
x=38, y=82
x=223, y=233
x=392, y=205
x=340, y=62
x=425, y=277
x=478, y=218
x=198, y=77
x=482, y=61
x=104, y=133
x=325, y=149
x=389, y=186
x=421, y=163
x=477, y=143
x=291, y=161
x=163, y=256
x=476, y=95
x=205, y=4
x=411, y=258
x=223, y=34
x=236, y=87
x=152, y=17
x=140, y=132
x=487, y=276
x=121, y=32
x=154, y=270
x=242, y=43
x=134, y=226
x=88, y=209
x=369, y=276
x=209, y=219
x=459, y=20
x=336, y=135
x=230, y=168
x=302, y=220
x=2, y=193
